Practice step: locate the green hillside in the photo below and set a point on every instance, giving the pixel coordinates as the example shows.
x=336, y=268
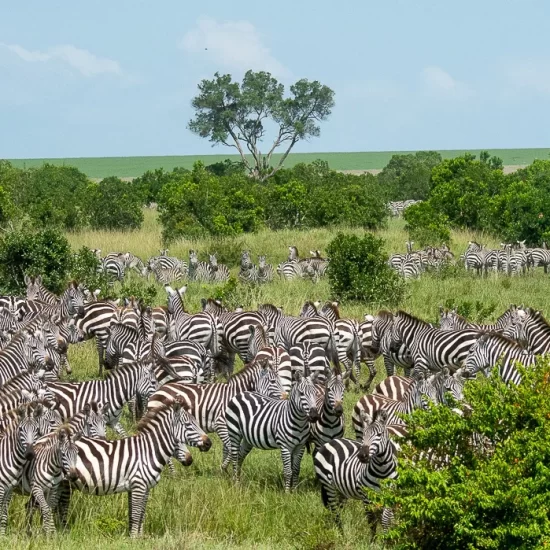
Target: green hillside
x=135, y=166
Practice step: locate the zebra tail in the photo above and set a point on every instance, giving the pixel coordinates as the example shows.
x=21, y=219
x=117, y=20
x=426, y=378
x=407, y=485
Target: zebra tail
x=332, y=353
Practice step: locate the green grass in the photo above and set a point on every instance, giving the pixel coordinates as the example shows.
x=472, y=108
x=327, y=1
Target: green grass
x=202, y=508
x=135, y=166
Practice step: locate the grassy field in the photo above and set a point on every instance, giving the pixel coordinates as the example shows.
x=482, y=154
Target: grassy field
x=202, y=508
x=135, y=166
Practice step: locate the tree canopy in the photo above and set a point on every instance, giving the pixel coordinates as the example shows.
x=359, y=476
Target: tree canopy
x=240, y=116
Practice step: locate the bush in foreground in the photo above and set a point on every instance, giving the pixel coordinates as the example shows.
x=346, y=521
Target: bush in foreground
x=487, y=496
x=358, y=270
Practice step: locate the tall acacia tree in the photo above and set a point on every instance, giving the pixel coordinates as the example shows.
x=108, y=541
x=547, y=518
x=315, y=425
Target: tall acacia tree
x=239, y=115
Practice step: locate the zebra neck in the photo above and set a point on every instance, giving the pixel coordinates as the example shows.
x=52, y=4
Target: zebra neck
x=160, y=442
x=381, y=466
x=294, y=412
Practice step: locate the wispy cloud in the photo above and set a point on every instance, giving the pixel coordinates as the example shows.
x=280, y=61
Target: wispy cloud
x=441, y=84
x=81, y=60
x=233, y=45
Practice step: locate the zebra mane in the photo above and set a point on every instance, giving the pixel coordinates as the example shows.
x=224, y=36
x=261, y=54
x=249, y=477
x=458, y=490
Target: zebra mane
x=406, y=315
x=269, y=308
x=332, y=307
x=497, y=336
x=536, y=315
x=212, y=305
x=309, y=304
x=148, y=418
x=385, y=315
x=49, y=439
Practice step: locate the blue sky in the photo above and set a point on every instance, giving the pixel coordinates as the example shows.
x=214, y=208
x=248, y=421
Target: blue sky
x=113, y=78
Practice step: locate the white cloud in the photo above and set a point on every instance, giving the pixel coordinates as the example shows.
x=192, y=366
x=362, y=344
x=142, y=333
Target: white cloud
x=441, y=84
x=234, y=45
x=83, y=61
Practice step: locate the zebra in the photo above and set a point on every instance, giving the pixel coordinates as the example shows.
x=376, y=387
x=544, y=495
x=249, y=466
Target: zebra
x=291, y=269
x=131, y=261
x=235, y=331
x=279, y=361
x=199, y=271
x=134, y=464
x=167, y=275
x=15, y=305
x=43, y=474
x=113, y=267
x=120, y=386
x=451, y=320
x=494, y=349
x=539, y=257
x=330, y=424
x=248, y=272
x=25, y=351
x=207, y=403
x=265, y=270
x=254, y=420
x=125, y=345
x=368, y=356
x=15, y=446
x=37, y=291
x=70, y=303
x=307, y=358
x=258, y=339
x=166, y=261
x=530, y=327
x=431, y=348
x=345, y=467
x=411, y=400
x=220, y=272
x=194, y=352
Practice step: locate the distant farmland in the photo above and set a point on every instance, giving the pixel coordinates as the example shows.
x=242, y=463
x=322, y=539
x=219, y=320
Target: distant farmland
x=135, y=166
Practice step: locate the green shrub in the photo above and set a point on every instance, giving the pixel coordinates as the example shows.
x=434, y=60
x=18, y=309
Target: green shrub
x=358, y=270
x=25, y=251
x=115, y=204
x=488, y=496
x=85, y=269
x=477, y=311
x=139, y=289
x=426, y=226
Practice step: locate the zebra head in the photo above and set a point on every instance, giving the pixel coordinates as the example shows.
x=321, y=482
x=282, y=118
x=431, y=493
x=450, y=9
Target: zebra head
x=478, y=357
x=27, y=427
x=119, y=336
x=447, y=318
x=293, y=254
x=35, y=351
x=269, y=382
x=187, y=429
x=34, y=286
x=334, y=393
x=516, y=329
x=262, y=261
x=303, y=396
x=71, y=332
x=246, y=262
x=193, y=258
x=50, y=419
x=147, y=384
x=175, y=298
x=309, y=310
x=213, y=261
x=73, y=299
x=94, y=423
x=375, y=438
x=68, y=451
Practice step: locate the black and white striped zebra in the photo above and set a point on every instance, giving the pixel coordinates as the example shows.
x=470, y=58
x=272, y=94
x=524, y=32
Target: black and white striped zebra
x=168, y=275
x=492, y=349
x=248, y=272
x=70, y=303
x=432, y=349
x=134, y=464
x=113, y=267
x=265, y=270
x=198, y=270
x=165, y=262
x=279, y=361
x=307, y=358
x=254, y=420
x=136, y=380
x=37, y=291
x=15, y=305
x=96, y=322
x=258, y=339
x=15, y=446
x=451, y=320
x=220, y=272
x=125, y=345
x=345, y=467
x=531, y=328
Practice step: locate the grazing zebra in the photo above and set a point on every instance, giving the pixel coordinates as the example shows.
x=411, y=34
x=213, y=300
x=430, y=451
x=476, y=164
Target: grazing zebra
x=411, y=400
x=330, y=424
x=345, y=467
x=539, y=257
x=494, y=349
x=164, y=262
x=254, y=420
x=96, y=322
x=134, y=464
x=43, y=474
x=37, y=291
x=248, y=272
x=120, y=386
x=451, y=320
x=25, y=351
x=530, y=327
x=265, y=270
x=220, y=272
x=307, y=358
x=167, y=275
x=15, y=446
x=431, y=348
x=113, y=267
x=199, y=271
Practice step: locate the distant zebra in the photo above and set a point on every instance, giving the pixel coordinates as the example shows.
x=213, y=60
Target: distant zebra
x=14, y=447
x=265, y=270
x=165, y=262
x=37, y=291
x=291, y=269
x=345, y=467
x=539, y=257
x=451, y=320
x=254, y=420
x=168, y=275
x=134, y=464
x=220, y=272
x=431, y=348
x=70, y=303
x=113, y=267
x=123, y=384
x=492, y=349
x=199, y=271
x=248, y=272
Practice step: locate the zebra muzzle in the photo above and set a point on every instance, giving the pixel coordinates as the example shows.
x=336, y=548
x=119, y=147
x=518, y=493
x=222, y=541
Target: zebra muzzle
x=313, y=415
x=205, y=444
x=338, y=409
x=363, y=455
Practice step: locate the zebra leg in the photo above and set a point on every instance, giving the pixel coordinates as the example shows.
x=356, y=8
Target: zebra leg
x=30, y=507
x=332, y=502
x=45, y=510
x=286, y=455
x=137, y=502
x=171, y=467
x=387, y=519
x=221, y=430
x=243, y=449
x=297, y=455
x=371, y=518
x=101, y=354
x=5, y=497
x=372, y=374
x=389, y=365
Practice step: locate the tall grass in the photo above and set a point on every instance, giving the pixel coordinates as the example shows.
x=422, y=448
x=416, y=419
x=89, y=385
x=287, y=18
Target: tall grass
x=200, y=507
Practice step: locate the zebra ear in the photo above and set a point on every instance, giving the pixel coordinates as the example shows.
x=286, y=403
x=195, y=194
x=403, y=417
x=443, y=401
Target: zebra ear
x=298, y=376
x=381, y=416
x=366, y=418
x=27, y=280
x=182, y=290
x=369, y=318
x=203, y=303
x=169, y=289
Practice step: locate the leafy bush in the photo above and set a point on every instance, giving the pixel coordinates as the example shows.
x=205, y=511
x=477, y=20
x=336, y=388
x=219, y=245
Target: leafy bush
x=114, y=204
x=228, y=250
x=426, y=226
x=139, y=289
x=358, y=270
x=477, y=311
x=488, y=496
x=85, y=269
x=25, y=251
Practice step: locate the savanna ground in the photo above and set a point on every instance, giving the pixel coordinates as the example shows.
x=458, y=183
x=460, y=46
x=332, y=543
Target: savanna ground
x=129, y=167
x=200, y=507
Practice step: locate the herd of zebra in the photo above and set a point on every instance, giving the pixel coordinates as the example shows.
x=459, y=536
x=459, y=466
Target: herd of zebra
x=397, y=208
x=170, y=269
x=164, y=363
